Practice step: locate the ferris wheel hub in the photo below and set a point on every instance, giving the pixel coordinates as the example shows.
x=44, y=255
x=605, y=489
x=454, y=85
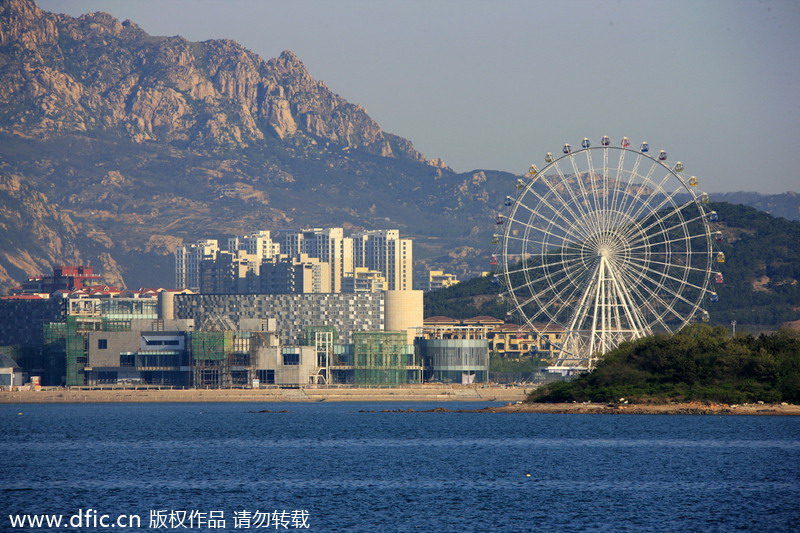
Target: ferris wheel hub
x=604, y=251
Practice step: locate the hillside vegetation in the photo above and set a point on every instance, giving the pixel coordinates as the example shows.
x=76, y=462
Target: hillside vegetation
x=761, y=272
x=700, y=362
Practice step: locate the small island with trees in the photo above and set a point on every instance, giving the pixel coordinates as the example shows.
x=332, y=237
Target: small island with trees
x=700, y=370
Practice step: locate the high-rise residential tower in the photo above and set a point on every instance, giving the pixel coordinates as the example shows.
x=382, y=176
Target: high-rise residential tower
x=385, y=251
x=188, y=258
x=329, y=245
x=259, y=244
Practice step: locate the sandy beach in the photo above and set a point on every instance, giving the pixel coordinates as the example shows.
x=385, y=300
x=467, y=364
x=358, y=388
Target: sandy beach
x=418, y=393
x=512, y=397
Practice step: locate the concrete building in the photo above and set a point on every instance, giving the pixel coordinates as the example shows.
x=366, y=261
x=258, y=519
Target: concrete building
x=231, y=273
x=346, y=312
x=385, y=251
x=511, y=341
x=11, y=374
x=286, y=365
x=67, y=278
x=364, y=280
x=295, y=275
x=326, y=244
x=188, y=258
x=437, y=279
x=404, y=312
x=140, y=355
x=259, y=244
x=292, y=312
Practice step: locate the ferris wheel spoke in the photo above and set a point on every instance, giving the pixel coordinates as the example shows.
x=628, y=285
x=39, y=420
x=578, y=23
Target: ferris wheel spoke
x=524, y=269
x=684, y=222
x=632, y=174
x=554, y=190
x=617, y=181
x=682, y=239
x=564, y=301
x=668, y=198
x=531, y=240
x=657, y=294
x=547, y=276
x=579, y=206
x=567, y=231
x=677, y=266
x=665, y=230
x=586, y=198
x=605, y=184
x=667, y=276
x=593, y=182
x=628, y=208
x=644, y=301
x=632, y=312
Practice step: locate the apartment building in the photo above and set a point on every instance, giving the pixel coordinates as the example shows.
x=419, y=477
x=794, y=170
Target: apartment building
x=385, y=251
x=188, y=258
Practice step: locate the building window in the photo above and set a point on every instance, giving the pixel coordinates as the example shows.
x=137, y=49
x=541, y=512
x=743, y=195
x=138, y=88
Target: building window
x=102, y=344
x=291, y=359
x=266, y=376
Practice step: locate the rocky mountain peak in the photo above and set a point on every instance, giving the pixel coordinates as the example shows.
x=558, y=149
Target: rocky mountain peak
x=22, y=9
x=117, y=145
x=24, y=26
x=95, y=75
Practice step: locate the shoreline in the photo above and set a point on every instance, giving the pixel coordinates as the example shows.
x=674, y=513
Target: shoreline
x=684, y=408
x=511, y=396
x=688, y=408
x=421, y=393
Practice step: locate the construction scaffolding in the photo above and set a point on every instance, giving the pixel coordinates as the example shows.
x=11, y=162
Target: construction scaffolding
x=222, y=359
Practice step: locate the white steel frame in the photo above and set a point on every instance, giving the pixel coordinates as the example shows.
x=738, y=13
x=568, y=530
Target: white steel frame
x=603, y=243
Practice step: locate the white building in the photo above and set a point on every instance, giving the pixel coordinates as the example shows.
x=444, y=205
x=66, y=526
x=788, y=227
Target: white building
x=381, y=251
x=259, y=244
x=364, y=280
x=329, y=245
x=437, y=279
x=385, y=251
x=188, y=258
x=295, y=275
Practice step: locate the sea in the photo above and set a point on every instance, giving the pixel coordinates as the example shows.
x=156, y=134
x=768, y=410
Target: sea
x=353, y=467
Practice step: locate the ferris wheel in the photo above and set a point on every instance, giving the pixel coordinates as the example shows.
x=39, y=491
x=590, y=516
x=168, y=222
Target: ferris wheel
x=606, y=244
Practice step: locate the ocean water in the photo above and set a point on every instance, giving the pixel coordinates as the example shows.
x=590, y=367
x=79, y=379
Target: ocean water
x=333, y=468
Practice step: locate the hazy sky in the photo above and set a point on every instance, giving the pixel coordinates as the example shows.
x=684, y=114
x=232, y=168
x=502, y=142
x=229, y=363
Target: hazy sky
x=497, y=84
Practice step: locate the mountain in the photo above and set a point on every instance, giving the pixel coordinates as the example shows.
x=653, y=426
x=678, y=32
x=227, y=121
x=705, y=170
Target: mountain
x=140, y=142
x=785, y=205
x=116, y=146
x=761, y=275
